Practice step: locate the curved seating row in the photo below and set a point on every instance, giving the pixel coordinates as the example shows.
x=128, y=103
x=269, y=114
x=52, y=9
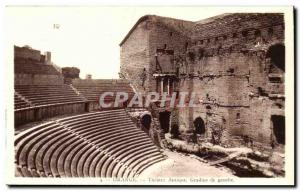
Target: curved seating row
x=19, y=103
x=92, y=92
x=98, y=144
x=47, y=94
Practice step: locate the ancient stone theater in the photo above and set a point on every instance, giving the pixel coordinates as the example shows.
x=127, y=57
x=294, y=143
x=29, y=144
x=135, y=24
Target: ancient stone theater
x=231, y=65
x=233, y=62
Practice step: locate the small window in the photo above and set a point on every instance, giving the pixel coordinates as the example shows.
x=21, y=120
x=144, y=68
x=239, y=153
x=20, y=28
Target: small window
x=275, y=79
x=171, y=33
x=230, y=70
x=234, y=35
x=238, y=116
x=165, y=46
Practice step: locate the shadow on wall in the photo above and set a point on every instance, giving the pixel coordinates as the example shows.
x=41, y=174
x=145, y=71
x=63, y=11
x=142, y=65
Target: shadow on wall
x=277, y=55
x=164, y=120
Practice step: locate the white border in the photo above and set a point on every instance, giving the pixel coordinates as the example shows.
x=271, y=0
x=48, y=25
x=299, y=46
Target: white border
x=91, y=181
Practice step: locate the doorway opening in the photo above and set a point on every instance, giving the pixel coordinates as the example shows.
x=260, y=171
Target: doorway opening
x=278, y=122
x=199, y=126
x=164, y=120
x=146, y=121
x=277, y=55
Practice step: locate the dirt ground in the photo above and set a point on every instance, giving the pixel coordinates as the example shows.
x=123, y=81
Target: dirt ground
x=180, y=165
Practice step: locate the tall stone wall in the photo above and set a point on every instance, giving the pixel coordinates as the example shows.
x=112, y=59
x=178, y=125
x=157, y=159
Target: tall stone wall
x=38, y=79
x=234, y=63
x=169, y=47
x=231, y=71
x=135, y=58
x=151, y=42
x=27, y=53
x=30, y=68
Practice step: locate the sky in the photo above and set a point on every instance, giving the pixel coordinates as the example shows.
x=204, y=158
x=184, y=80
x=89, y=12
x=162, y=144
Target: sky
x=86, y=37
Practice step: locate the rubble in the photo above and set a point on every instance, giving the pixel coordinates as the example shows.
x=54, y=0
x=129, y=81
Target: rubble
x=243, y=161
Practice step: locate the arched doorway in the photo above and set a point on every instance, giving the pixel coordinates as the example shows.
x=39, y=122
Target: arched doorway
x=277, y=55
x=146, y=121
x=164, y=120
x=199, y=125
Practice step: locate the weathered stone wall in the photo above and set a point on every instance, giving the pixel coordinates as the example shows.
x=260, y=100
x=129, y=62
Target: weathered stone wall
x=23, y=116
x=98, y=82
x=38, y=79
x=175, y=45
x=231, y=70
x=237, y=28
x=135, y=58
x=27, y=53
x=228, y=62
x=151, y=42
x=70, y=73
x=30, y=68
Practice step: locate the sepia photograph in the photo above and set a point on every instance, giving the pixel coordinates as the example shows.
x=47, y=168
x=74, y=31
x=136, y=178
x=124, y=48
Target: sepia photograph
x=150, y=95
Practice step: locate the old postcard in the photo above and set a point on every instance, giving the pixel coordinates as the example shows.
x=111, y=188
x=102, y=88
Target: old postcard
x=150, y=95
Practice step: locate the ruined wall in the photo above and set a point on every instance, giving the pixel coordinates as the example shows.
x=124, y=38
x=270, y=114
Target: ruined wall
x=169, y=46
x=231, y=70
x=135, y=57
x=30, y=68
x=234, y=63
x=27, y=53
x=37, y=79
x=151, y=42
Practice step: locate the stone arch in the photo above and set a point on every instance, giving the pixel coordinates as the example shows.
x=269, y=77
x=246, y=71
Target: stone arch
x=199, y=125
x=276, y=53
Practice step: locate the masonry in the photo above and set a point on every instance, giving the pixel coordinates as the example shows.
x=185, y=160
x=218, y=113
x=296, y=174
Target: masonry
x=39, y=89
x=235, y=63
